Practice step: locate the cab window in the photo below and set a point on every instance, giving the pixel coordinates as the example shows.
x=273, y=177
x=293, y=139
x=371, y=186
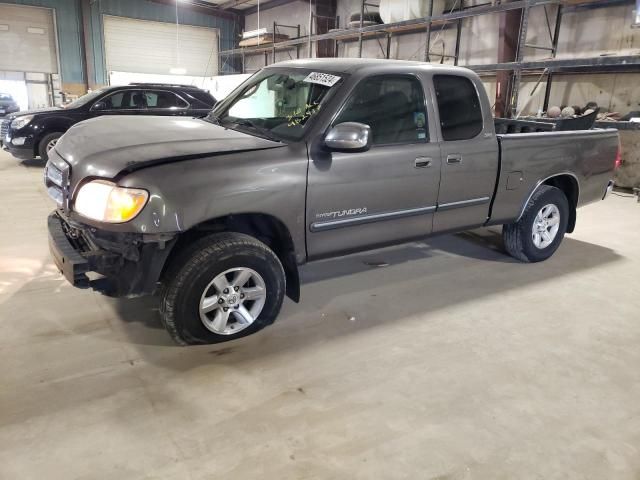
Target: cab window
x=459, y=107
x=392, y=105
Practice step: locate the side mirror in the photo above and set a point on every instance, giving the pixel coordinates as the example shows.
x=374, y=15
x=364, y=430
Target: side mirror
x=99, y=106
x=349, y=137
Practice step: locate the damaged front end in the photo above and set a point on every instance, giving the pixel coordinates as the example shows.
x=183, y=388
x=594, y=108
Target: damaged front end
x=114, y=263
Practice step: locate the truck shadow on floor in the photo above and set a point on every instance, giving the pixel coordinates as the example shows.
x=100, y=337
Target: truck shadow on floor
x=349, y=295
x=33, y=163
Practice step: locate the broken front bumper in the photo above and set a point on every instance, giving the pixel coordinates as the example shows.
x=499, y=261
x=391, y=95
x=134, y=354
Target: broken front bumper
x=123, y=265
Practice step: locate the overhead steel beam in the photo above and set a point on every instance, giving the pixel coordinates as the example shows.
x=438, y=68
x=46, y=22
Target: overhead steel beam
x=232, y=4
x=593, y=63
x=201, y=6
x=265, y=6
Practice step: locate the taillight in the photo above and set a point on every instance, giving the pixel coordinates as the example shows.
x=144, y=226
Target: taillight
x=618, y=161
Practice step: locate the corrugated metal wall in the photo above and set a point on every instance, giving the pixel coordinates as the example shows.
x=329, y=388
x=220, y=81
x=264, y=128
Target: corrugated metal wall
x=68, y=20
x=144, y=10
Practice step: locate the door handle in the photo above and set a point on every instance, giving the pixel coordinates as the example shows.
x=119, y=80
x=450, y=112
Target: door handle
x=423, y=162
x=454, y=159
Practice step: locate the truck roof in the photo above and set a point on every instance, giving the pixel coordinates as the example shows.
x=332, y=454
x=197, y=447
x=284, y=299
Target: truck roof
x=351, y=65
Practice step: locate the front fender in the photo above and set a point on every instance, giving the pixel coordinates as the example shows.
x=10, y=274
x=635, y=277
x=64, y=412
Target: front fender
x=187, y=193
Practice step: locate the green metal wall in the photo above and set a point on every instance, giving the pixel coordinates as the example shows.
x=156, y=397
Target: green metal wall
x=69, y=20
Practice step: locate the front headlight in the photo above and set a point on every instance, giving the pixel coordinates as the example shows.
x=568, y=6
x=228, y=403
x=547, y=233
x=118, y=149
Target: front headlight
x=20, y=122
x=104, y=201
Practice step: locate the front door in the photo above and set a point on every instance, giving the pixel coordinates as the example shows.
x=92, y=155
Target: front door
x=469, y=155
x=122, y=102
x=386, y=194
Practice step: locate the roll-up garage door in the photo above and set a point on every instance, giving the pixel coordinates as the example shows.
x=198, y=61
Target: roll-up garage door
x=141, y=46
x=28, y=39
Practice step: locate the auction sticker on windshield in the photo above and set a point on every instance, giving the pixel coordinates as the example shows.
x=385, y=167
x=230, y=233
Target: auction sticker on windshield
x=325, y=79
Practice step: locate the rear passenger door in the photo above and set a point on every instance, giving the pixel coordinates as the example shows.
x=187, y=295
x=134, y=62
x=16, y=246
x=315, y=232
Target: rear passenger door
x=384, y=195
x=469, y=155
x=163, y=102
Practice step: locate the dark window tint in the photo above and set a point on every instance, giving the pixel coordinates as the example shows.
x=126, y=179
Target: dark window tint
x=125, y=100
x=114, y=101
x=459, y=107
x=392, y=105
x=162, y=99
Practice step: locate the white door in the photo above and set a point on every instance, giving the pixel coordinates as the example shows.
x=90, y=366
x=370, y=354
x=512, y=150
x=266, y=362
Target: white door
x=28, y=39
x=141, y=46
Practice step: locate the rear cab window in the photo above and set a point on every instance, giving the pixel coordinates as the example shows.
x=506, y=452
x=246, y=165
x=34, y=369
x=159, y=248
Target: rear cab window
x=459, y=107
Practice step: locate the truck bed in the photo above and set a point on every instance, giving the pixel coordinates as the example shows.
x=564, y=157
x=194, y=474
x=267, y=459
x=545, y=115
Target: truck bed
x=528, y=159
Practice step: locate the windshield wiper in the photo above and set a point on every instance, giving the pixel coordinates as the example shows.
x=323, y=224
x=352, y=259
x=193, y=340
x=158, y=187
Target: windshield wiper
x=213, y=119
x=245, y=122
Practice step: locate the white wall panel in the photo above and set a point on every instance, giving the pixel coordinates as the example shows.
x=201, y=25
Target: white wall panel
x=141, y=46
x=28, y=39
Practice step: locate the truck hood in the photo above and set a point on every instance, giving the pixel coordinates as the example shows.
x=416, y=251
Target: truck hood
x=108, y=145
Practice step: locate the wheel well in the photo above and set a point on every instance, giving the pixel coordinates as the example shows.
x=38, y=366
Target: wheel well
x=36, y=144
x=266, y=228
x=569, y=186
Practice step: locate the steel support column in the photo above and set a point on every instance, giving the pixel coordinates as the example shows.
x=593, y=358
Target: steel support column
x=515, y=87
x=427, y=58
x=554, y=46
x=507, y=51
x=362, y=2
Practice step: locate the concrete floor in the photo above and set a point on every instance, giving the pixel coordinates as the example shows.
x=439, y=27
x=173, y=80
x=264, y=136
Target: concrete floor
x=452, y=362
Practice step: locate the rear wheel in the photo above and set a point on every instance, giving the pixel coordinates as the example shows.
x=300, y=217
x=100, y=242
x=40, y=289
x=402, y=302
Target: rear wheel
x=541, y=228
x=223, y=287
x=47, y=143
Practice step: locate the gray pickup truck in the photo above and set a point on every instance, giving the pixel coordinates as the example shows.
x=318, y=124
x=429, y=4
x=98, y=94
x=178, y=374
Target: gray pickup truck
x=305, y=160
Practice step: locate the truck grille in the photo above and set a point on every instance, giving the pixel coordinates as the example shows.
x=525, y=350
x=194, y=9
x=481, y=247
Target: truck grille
x=56, y=181
x=4, y=128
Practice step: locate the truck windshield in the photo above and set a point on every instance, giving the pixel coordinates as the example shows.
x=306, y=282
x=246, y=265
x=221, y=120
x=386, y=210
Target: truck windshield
x=276, y=103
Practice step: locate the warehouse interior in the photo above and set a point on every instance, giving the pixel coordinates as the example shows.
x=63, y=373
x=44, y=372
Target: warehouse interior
x=438, y=357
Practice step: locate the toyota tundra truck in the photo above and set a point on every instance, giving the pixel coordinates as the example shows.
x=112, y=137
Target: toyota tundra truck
x=305, y=160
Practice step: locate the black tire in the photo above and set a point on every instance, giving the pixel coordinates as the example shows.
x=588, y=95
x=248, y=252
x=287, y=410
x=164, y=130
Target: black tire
x=42, y=146
x=518, y=237
x=191, y=271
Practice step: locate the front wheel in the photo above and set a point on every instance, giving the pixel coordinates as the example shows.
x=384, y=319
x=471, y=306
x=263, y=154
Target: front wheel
x=47, y=143
x=541, y=228
x=224, y=286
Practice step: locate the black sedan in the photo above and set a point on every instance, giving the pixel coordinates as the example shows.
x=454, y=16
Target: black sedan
x=31, y=134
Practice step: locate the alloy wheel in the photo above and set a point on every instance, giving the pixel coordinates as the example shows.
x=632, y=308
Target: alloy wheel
x=232, y=301
x=545, y=226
